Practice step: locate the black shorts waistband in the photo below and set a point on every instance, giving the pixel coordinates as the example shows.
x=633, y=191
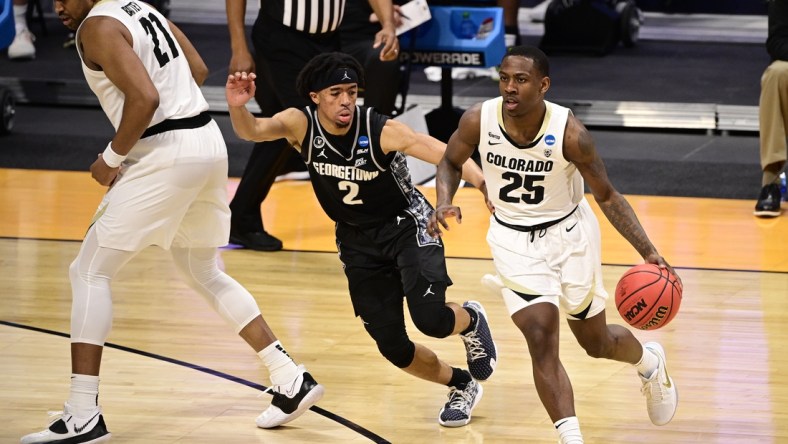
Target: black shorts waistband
x=538, y=227
x=197, y=121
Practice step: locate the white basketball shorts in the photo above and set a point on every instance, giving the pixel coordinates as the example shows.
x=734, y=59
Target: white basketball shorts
x=172, y=190
x=561, y=264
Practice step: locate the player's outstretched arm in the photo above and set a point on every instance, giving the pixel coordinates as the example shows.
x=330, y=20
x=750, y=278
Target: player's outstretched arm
x=397, y=136
x=289, y=124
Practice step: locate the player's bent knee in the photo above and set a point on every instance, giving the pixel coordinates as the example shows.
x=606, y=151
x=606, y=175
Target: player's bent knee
x=400, y=354
x=428, y=310
x=595, y=349
x=393, y=342
x=436, y=322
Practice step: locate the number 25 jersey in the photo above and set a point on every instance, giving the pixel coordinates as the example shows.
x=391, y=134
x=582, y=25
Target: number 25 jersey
x=528, y=184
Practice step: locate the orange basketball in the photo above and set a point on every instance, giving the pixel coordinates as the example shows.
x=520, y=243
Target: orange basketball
x=648, y=297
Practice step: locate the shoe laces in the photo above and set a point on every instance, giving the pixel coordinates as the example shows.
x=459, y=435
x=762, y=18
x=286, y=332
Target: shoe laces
x=652, y=388
x=474, y=346
x=460, y=399
x=56, y=415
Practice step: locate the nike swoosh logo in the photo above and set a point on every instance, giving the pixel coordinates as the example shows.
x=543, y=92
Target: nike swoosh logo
x=291, y=391
x=667, y=382
x=80, y=429
x=494, y=143
x=561, y=423
x=570, y=228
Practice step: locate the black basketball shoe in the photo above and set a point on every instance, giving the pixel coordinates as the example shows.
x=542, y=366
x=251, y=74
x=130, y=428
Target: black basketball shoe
x=67, y=428
x=479, y=345
x=768, y=204
x=291, y=400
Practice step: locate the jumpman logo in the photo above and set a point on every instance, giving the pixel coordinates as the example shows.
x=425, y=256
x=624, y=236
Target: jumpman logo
x=322, y=153
x=429, y=291
x=345, y=76
x=400, y=219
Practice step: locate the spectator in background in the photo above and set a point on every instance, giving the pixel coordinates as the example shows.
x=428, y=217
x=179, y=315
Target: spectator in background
x=284, y=40
x=22, y=47
x=357, y=32
x=773, y=111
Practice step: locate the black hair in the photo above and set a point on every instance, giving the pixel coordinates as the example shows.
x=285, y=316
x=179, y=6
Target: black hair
x=531, y=52
x=321, y=64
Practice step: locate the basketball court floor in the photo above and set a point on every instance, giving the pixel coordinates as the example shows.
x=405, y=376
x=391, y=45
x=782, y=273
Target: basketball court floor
x=173, y=372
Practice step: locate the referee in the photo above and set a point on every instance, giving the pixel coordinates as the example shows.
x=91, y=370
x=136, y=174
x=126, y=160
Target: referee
x=286, y=35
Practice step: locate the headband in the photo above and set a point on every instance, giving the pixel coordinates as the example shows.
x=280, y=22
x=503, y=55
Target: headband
x=335, y=77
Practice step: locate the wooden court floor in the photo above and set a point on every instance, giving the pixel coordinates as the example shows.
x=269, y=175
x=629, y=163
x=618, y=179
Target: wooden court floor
x=175, y=373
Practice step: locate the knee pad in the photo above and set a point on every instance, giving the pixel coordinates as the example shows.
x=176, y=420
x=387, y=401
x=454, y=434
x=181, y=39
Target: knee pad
x=394, y=344
x=428, y=310
x=230, y=299
x=91, y=274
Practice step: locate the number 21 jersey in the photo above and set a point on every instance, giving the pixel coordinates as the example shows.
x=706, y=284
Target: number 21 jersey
x=162, y=57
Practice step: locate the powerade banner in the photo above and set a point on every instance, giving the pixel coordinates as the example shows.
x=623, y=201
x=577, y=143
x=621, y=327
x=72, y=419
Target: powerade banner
x=445, y=58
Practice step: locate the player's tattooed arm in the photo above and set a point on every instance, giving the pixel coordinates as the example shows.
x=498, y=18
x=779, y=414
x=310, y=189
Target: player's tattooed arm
x=579, y=148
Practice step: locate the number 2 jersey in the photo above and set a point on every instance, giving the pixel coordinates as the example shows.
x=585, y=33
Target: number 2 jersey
x=354, y=180
x=164, y=60
x=528, y=184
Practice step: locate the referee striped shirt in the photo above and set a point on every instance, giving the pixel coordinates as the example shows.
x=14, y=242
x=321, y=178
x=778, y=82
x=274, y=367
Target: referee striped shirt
x=310, y=16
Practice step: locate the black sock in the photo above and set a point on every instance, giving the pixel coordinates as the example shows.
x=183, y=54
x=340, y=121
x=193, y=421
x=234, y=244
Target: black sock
x=474, y=319
x=459, y=378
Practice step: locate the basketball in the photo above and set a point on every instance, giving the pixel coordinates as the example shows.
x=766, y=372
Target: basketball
x=648, y=297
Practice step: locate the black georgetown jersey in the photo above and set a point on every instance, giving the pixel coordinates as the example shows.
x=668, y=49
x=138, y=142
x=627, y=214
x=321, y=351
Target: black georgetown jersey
x=354, y=181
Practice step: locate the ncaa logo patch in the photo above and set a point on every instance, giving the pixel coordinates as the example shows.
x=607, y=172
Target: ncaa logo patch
x=363, y=141
x=549, y=139
x=318, y=142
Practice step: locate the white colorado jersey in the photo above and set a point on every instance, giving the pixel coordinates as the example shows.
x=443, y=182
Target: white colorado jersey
x=162, y=56
x=528, y=184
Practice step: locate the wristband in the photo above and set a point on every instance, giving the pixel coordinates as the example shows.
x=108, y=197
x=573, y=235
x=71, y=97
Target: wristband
x=111, y=158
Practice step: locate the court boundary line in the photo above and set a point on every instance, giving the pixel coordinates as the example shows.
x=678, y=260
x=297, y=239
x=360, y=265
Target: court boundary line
x=319, y=410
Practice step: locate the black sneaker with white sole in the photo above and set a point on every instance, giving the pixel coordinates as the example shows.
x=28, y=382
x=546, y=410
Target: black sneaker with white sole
x=291, y=400
x=457, y=411
x=66, y=428
x=480, y=349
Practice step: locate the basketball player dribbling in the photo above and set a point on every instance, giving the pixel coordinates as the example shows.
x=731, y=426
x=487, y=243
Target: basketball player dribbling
x=358, y=171
x=535, y=157
x=166, y=168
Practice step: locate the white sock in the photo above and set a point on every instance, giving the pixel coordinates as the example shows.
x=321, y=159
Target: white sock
x=648, y=363
x=509, y=40
x=569, y=430
x=280, y=365
x=83, y=397
x=19, y=18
